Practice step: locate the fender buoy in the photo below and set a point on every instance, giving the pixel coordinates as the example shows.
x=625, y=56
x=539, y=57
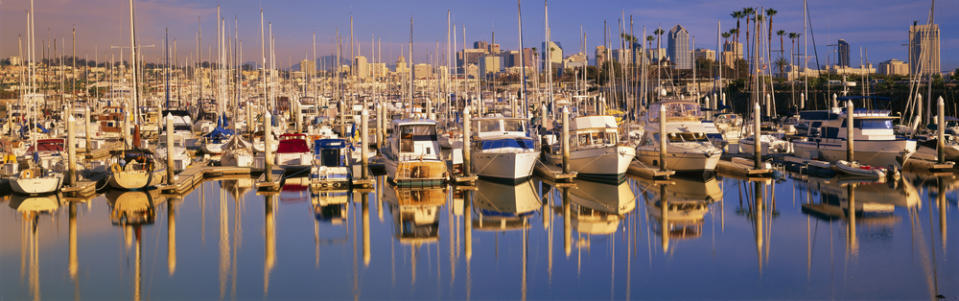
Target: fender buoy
x=115, y=168
x=26, y=174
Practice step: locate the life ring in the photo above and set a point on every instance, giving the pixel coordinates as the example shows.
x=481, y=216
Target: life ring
x=115, y=168
x=26, y=174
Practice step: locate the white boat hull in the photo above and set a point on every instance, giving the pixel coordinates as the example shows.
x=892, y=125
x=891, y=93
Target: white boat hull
x=516, y=166
x=37, y=185
x=136, y=179
x=881, y=153
x=604, y=163
x=681, y=162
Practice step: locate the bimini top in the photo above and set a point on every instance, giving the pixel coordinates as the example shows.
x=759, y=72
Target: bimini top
x=413, y=122
x=292, y=145
x=328, y=144
x=594, y=122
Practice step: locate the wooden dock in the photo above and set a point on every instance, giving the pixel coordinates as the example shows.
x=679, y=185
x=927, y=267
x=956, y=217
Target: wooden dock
x=639, y=169
x=275, y=182
x=553, y=173
x=738, y=167
x=81, y=189
x=916, y=164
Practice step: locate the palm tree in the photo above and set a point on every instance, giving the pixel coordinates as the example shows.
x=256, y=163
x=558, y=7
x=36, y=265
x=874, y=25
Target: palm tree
x=738, y=15
x=748, y=13
x=649, y=41
x=792, y=51
x=659, y=36
x=780, y=33
x=770, y=13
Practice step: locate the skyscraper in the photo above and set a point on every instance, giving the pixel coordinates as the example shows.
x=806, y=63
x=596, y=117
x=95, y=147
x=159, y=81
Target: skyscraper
x=600, y=55
x=555, y=54
x=842, y=49
x=924, y=48
x=678, y=48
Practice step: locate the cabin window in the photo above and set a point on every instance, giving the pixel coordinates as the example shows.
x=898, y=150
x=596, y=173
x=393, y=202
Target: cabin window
x=597, y=138
x=611, y=138
x=831, y=132
x=674, y=137
x=514, y=125
x=583, y=139
x=489, y=125
x=873, y=124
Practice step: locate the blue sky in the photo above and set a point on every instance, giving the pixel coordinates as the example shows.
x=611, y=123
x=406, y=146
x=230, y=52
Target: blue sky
x=879, y=26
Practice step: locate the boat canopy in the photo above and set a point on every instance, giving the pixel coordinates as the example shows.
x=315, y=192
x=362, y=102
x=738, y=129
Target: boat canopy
x=523, y=143
x=328, y=144
x=292, y=146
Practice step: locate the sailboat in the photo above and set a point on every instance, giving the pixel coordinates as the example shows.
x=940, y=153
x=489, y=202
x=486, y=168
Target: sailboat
x=135, y=169
x=237, y=152
x=44, y=173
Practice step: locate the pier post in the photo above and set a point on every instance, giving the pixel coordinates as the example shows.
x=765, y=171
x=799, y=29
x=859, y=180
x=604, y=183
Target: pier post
x=364, y=137
x=941, y=129
x=86, y=129
x=565, y=140
x=662, y=137
x=542, y=116
x=850, y=133
x=298, y=116
x=757, y=136
x=724, y=99
x=466, y=141
x=267, y=143
x=169, y=150
x=250, y=125
x=802, y=101
x=709, y=107
x=379, y=128
x=769, y=106
x=71, y=150
x=124, y=128
x=835, y=101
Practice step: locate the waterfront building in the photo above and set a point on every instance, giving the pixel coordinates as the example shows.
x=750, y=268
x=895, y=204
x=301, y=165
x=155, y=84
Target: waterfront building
x=678, y=48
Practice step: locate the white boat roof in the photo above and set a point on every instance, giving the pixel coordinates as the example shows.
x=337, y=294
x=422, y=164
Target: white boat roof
x=413, y=122
x=595, y=121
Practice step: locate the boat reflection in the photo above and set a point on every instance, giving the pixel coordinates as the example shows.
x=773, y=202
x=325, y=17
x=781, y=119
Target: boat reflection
x=677, y=210
x=30, y=209
x=504, y=207
x=876, y=201
x=131, y=210
x=597, y=208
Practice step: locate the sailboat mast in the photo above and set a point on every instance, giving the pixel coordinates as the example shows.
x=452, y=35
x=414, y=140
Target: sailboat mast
x=522, y=62
x=133, y=60
x=549, y=56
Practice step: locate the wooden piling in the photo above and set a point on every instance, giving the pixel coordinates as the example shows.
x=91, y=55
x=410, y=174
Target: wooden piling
x=364, y=138
x=170, y=172
x=850, y=133
x=662, y=138
x=565, y=140
x=87, y=129
x=267, y=143
x=757, y=135
x=71, y=150
x=466, y=142
x=941, y=129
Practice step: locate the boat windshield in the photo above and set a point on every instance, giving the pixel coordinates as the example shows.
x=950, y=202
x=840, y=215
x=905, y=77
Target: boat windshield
x=489, y=126
x=686, y=137
x=514, y=125
x=420, y=132
x=873, y=124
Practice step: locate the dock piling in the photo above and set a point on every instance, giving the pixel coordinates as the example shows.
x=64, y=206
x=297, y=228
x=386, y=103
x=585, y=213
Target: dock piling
x=267, y=143
x=565, y=140
x=71, y=150
x=757, y=135
x=86, y=129
x=850, y=132
x=466, y=141
x=941, y=129
x=662, y=138
x=170, y=174
x=364, y=137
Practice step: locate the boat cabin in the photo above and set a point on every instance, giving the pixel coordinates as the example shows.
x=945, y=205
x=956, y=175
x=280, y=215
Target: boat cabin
x=595, y=131
x=415, y=138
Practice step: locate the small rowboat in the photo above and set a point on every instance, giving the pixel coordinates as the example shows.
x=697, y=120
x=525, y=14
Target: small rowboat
x=859, y=170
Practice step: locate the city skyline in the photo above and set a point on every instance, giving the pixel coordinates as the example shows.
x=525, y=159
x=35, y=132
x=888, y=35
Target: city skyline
x=874, y=26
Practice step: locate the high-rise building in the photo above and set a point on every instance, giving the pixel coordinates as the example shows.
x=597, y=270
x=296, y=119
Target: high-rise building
x=600, y=55
x=511, y=58
x=842, y=53
x=494, y=48
x=622, y=56
x=307, y=66
x=656, y=54
x=555, y=54
x=469, y=56
x=484, y=45
x=423, y=71
x=361, y=66
x=893, y=67
x=490, y=64
x=924, y=48
x=401, y=67
x=732, y=51
x=678, y=48
x=577, y=60
x=703, y=55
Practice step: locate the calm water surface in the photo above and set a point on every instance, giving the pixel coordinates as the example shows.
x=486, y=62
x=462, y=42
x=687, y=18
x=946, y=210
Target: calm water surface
x=717, y=238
